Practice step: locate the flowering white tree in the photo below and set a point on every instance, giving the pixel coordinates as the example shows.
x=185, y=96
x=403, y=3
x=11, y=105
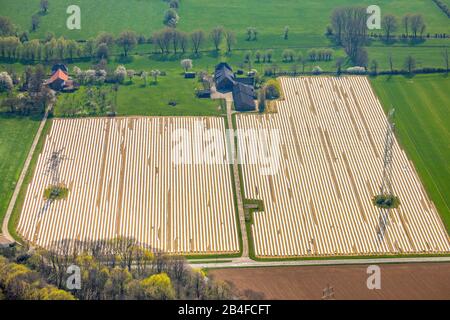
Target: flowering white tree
x=6, y=83
x=144, y=76
x=130, y=74
x=121, y=74
x=186, y=64
x=155, y=74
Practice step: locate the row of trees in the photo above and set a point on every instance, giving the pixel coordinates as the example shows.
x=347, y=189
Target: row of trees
x=172, y=40
x=443, y=6
x=119, y=269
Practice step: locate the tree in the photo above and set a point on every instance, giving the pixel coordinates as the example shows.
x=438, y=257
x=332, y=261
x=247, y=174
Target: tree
x=6, y=82
x=262, y=99
x=410, y=64
x=258, y=56
x=391, y=62
x=339, y=64
x=389, y=24
x=155, y=74
x=144, y=76
x=102, y=51
x=35, y=22
x=121, y=74
x=175, y=4
x=374, y=67
x=406, y=21
x=176, y=39
x=130, y=74
x=362, y=58
x=197, y=38
x=302, y=60
x=288, y=55
x=268, y=56
x=230, y=39
x=273, y=89
x=350, y=29
x=417, y=25
x=216, y=36
x=106, y=38
x=6, y=27
x=158, y=287
x=183, y=41
x=286, y=33
x=445, y=58
x=186, y=64
x=72, y=49
x=44, y=6
x=252, y=34
x=128, y=40
x=171, y=18
x=55, y=294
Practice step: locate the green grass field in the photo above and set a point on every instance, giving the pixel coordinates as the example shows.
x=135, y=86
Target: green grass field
x=137, y=100
x=422, y=106
x=16, y=137
x=306, y=17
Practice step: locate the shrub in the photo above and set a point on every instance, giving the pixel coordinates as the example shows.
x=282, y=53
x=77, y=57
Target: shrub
x=356, y=70
x=386, y=201
x=58, y=192
x=317, y=70
x=273, y=89
x=6, y=82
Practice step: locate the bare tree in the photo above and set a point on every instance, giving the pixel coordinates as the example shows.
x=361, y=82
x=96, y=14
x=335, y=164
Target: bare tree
x=389, y=24
x=446, y=58
x=216, y=36
x=44, y=6
x=417, y=25
x=391, y=62
x=410, y=64
x=406, y=21
x=197, y=38
x=183, y=41
x=230, y=38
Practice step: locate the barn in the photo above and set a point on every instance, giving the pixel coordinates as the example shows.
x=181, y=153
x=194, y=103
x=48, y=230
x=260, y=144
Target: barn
x=224, y=77
x=244, y=97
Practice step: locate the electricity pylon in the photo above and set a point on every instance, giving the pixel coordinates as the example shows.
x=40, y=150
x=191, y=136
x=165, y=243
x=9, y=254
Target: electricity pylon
x=386, y=185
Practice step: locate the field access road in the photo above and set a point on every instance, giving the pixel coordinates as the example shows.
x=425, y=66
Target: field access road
x=248, y=263
x=237, y=183
x=5, y=232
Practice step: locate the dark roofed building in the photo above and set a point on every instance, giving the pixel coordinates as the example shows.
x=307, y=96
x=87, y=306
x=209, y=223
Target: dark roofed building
x=224, y=77
x=244, y=97
x=250, y=81
x=60, y=66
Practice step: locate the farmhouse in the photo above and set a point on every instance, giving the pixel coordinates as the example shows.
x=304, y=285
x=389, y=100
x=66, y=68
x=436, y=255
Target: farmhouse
x=244, y=97
x=60, y=81
x=242, y=88
x=224, y=77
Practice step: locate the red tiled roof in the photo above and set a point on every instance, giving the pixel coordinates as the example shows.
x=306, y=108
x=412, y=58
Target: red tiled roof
x=58, y=75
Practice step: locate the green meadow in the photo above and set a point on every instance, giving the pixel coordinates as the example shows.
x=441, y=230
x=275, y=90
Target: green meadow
x=16, y=137
x=422, y=105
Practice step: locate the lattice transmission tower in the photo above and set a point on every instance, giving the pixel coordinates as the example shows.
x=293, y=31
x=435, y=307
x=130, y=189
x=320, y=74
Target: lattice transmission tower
x=386, y=184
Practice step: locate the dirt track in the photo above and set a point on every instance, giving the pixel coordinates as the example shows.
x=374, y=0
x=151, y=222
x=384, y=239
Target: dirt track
x=418, y=281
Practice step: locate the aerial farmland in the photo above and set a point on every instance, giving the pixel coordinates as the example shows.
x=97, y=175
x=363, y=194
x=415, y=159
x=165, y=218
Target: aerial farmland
x=123, y=182
x=148, y=145
x=320, y=201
